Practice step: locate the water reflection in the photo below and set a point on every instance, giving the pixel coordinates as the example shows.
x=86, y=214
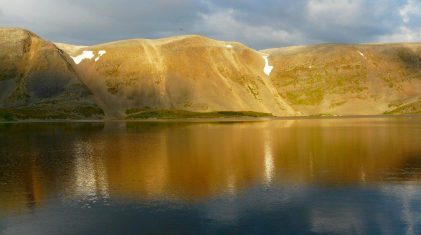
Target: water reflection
x=306, y=165
x=269, y=165
x=90, y=182
x=196, y=160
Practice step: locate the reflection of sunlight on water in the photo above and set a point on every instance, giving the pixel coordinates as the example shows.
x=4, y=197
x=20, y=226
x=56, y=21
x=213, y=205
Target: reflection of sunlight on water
x=362, y=174
x=231, y=184
x=268, y=163
x=311, y=166
x=288, y=123
x=405, y=194
x=90, y=183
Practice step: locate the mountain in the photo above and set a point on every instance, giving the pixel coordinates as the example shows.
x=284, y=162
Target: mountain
x=349, y=79
x=191, y=73
x=38, y=80
x=194, y=76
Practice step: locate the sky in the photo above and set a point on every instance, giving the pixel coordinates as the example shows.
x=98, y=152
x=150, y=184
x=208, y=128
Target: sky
x=257, y=23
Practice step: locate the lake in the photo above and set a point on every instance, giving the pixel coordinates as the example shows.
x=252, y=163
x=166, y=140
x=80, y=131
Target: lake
x=301, y=176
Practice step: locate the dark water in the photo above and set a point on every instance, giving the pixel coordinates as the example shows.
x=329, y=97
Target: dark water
x=334, y=176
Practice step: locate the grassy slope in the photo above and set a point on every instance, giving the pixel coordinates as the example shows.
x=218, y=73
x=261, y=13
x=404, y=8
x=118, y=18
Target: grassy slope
x=175, y=114
x=411, y=108
x=347, y=79
x=46, y=112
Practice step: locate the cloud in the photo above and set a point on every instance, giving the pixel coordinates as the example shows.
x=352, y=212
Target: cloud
x=404, y=34
x=259, y=24
x=275, y=23
x=92, y=21
x=411, y=8
x=223, y=25
x=351, y=21
x=340, y=12
x=410, y=28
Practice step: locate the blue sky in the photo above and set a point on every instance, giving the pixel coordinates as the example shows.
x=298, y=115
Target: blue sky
x=256, y=23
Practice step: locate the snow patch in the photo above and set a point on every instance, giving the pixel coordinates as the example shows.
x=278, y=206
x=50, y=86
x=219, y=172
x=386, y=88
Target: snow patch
x=267, y=69
x=100, y=53
x=229, y=46
x=83, y=56
x=88, y=55
x=362, y=54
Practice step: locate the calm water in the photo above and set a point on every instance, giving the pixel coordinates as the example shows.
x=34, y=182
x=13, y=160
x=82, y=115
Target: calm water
x=335, y=176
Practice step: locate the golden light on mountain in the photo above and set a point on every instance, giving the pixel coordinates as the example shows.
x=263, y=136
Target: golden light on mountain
x=194, y=76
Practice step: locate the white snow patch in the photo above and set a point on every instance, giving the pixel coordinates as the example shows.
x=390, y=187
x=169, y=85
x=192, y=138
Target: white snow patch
x=229, y=46
x=100, y=53
x=268, y=69
x=83, y=56
x=362, y=54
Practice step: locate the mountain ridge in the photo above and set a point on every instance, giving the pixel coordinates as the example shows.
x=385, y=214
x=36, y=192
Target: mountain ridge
x=196, y=74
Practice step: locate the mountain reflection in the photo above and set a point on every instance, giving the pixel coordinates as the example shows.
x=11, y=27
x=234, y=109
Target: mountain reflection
x=197, y=161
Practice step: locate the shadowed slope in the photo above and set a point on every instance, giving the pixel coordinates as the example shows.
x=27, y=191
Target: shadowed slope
x=38, y=81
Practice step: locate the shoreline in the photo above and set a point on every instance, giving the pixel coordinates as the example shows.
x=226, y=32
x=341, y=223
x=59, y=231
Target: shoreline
x=220, y=119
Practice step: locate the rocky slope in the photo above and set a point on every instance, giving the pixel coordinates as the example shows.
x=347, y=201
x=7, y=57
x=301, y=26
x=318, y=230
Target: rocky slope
x=194, y=76
x=189, y=73
x=38, y=81
x=349, y=79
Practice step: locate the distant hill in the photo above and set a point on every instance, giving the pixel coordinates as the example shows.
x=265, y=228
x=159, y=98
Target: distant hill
x=194, y=76
x=349, y=79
